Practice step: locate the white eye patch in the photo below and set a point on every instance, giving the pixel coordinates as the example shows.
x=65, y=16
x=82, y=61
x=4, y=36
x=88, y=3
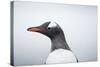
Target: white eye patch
x=52, y=24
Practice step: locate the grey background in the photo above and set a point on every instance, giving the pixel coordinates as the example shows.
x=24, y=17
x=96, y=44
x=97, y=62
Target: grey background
x=78, y=22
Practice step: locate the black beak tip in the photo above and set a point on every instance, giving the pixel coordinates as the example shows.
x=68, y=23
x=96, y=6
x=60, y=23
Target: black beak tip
x=28, y=29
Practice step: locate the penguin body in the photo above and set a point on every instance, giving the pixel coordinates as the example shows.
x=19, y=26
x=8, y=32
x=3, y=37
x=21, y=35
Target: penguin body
x=61, y=56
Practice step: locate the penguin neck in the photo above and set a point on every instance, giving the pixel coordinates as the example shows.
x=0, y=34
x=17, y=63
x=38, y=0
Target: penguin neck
x=59, y=42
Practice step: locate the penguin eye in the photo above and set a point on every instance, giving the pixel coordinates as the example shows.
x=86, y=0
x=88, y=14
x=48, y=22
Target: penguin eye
x=48, y=28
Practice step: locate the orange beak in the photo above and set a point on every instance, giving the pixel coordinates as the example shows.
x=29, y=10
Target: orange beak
x=34, y=29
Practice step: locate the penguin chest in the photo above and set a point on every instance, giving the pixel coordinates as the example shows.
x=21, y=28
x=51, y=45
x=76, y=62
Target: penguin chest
x=61, y=56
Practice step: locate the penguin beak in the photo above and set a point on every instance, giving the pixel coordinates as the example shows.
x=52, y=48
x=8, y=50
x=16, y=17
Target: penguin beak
x=34, y=29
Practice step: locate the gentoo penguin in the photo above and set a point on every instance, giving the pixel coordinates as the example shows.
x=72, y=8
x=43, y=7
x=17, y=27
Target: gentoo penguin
x=60, y=51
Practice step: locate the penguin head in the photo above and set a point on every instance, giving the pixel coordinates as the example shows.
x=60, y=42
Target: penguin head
x=50, y=29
